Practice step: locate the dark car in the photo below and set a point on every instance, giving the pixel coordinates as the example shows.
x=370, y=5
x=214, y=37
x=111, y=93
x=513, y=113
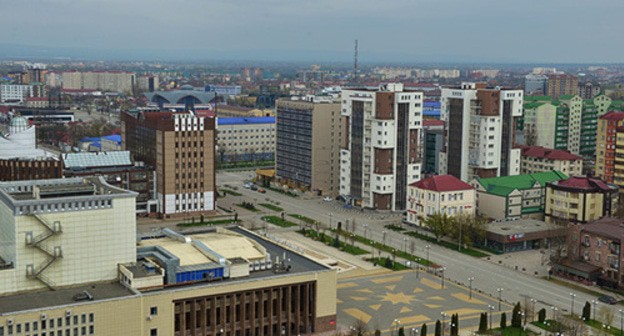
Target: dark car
x=608, y=299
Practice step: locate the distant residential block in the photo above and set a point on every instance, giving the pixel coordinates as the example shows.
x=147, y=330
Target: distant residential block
x=606, y=140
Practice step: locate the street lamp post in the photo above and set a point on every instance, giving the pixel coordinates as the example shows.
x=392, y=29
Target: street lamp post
x=330, y=221
x=554, y=314
x=533, y=301
x=491, y=316
x=621, y=322
x=366, y=231
x=384, y=236
x=444, y=315
x=470, y=281
x=417, y=267
x=405, y=245
x=395, y=327
x=500, y=297
x=442, y=280
x=594, y=304
x=572, y=296
x=427, y=247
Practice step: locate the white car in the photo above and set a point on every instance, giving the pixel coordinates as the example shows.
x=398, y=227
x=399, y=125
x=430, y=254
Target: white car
x=247, y=185
x=327, y=199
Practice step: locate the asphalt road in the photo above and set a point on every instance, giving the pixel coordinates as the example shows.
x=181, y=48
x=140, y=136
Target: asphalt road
x=488, y=277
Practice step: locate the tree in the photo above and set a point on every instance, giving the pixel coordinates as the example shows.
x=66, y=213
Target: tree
x=606, y=315
x=423, y=330
x=401, y=332
x=483, y=323
x=438, y=224
x=587, y=311
x=454, y=325
x=359, y=328
x=503, y=321
x=438, y=329
x=516, y=318
x=541, y=315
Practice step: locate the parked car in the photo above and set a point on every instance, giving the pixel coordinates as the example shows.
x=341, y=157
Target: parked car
x=247, y=185
x=254, y=187
x=327, y=199
x=262, y=191
x=608, y=299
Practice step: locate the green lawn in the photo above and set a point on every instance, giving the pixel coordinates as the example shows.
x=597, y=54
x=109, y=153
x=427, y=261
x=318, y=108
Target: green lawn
x=449, y=245
x=214, y=222
x=302, y=218
x=380, y=247
x=394, y=227
x=508, y=331
x=388, y=263
x=271, y=206
x=275, y=220
x=549, y=325
x=329, y=239
x=231, y=192
x=598, y=325
x=252, y=209
x=288, y=193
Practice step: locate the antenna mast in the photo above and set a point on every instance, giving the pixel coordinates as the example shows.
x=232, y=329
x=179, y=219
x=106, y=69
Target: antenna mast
x=355, y=63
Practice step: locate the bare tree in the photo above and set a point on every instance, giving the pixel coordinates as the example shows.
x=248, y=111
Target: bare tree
x=359, y=328
x=605, y=315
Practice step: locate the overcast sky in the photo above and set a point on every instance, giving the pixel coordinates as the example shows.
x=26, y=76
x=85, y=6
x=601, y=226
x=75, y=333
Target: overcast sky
x=324, y=30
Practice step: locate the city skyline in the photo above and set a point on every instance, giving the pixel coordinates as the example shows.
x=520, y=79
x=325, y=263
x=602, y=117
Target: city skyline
x=423, y=31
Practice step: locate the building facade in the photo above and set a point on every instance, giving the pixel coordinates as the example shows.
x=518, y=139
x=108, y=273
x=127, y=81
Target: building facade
x=246, y=139
x=535, y=159
x=433, y=141
x=579, y=200
x=16, y=93
x=308, y=145
x=439, y=194
x=380, y=153
x=520, y=196
x=115, y=81
x=561, y=84
x=181, y=147
x=595, y=252
x=480, y=131
x=606, y=145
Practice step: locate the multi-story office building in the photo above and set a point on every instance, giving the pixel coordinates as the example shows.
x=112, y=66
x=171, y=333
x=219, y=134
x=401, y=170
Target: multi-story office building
x=579, y=200
x=181, y=147
x=380, y=155
x=77, y=236
x=246, y=139
x=535, y=159
x=15, y=93
x=588, y=90
x=480, y=131
x=561, y=84
x=439, y=194
x=535, y=84
x=308, y=144
x=606, y=144
x=520, y=196
x=148, y=83
x=433, y=140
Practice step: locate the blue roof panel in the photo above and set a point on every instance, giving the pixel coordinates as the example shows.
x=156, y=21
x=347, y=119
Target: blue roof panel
x=244, y=121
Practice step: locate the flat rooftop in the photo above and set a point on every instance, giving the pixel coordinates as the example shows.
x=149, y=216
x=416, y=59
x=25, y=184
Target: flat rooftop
x=509, y=227
x=58, y=188
x=60, y=297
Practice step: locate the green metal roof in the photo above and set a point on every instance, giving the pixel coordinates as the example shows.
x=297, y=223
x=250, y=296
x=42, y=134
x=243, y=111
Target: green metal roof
x=537, y=98
x=504, y=185
x=566, y=97
x=532, y=105
x=532, y=209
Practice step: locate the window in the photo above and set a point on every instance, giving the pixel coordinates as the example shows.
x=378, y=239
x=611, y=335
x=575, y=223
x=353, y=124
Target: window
x=153, y=332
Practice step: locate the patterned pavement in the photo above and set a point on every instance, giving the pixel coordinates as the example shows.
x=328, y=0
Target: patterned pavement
x=380, y=299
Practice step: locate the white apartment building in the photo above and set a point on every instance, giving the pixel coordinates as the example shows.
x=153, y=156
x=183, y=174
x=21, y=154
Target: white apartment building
x=443, y=194
x=15, y=93
x=480, y=131
x=380, y=155
x=245, y=139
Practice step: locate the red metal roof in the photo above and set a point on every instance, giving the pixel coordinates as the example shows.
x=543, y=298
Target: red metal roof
x=548, y=153
x=432, y=122
x=613, y=116
x=582, y=182
x=442, y=183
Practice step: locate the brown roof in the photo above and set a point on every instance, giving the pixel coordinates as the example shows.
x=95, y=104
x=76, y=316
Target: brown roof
x=548, y=153
x=609, y=227
x=442, y=183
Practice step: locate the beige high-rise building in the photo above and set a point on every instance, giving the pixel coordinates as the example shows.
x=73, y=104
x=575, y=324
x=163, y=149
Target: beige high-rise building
x=308, y=137
x=182, y=148
x=561, y=84
x=116, y=81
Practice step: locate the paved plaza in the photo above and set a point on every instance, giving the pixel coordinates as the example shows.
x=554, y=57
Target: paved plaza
x=380, y=299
